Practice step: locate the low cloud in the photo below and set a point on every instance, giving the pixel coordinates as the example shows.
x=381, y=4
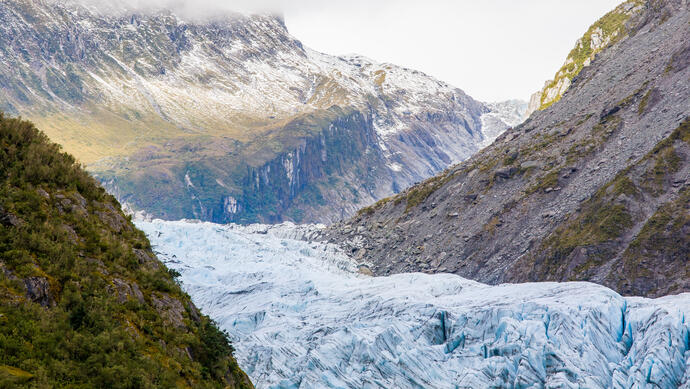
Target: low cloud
x=211, y=8
x=187, y=8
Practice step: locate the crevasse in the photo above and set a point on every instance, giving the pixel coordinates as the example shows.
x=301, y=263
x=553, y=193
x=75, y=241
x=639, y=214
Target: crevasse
x=300, y=316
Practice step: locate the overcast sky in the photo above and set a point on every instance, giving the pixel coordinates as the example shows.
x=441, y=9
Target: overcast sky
x=492, y=49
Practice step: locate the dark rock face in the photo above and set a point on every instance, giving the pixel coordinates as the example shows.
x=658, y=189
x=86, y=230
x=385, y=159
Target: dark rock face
x=38, y=291
x=7, y=219
x=170, y=309
x=125, y=291
x=337, y=168
x=593, y=188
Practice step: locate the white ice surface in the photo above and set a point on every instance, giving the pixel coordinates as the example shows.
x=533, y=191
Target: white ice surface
x=500, y=117
x=301, y=317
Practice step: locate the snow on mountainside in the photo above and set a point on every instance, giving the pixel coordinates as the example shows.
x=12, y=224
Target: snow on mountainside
x=501, y=116
x=189, y=118
x=301, y=316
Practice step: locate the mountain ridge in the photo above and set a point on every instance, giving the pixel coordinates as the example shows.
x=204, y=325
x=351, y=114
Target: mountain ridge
x=495, y=210
x=606, y=31
x=152, y=102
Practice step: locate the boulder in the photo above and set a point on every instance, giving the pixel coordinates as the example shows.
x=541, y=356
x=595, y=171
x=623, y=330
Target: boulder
x=530, y=164
x=505, y=172
x=124, y=291
x=8, y=219
x=170, y=308
x=38, y=291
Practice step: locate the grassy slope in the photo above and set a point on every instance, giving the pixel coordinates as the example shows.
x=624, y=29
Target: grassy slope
x=154, y=173
x=83, y=301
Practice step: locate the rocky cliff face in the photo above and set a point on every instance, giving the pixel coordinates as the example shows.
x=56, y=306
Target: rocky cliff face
x=608, y=30
x=180, y=117
x=83, y=299
x=592, y=188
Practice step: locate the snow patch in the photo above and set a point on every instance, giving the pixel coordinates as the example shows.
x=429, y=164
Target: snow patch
x=396, y=167
x=188, y=180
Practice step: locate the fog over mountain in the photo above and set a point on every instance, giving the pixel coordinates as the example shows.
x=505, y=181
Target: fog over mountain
x=232, y=119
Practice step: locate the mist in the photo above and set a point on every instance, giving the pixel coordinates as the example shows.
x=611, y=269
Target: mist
x=188, y=9
x=213, y=8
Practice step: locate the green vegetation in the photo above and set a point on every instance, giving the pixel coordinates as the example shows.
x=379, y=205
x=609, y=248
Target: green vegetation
x=630, y=98
x=607, y=126
x=605, y=218
x=13, y=377
x=550, y=180
x=596, y=225
x=662, y=236
x=643, y=103
x=417, y=194
x=665, y=160
x=266, y=177
x=580, y=150
x=83, y=301
x=492, y=224
x=583, y=148
x=601, y=222
x=612, y=27
x=624, y=185
x=510, y=159
x=373, y=208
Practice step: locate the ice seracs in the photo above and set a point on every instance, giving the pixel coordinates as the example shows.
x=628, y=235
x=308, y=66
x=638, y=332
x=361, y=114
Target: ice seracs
x=500, y=117
x=300, y=316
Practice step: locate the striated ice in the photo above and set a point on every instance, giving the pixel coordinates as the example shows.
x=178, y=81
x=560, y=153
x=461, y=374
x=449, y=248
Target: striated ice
x=300, y=316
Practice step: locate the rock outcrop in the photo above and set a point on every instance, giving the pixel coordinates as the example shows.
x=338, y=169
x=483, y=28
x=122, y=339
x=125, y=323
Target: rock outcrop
x=611, y=28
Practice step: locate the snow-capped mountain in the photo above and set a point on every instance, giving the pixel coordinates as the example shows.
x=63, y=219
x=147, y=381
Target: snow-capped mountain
x=301, y=315
x=190, y=118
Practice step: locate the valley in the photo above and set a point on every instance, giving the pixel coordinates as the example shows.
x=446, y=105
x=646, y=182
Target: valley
x=573, y=194
x=225, y=207
x=230, y=119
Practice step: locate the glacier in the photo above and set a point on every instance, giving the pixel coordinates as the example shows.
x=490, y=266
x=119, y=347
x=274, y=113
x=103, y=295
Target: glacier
x=501, y=116
x=300, y=315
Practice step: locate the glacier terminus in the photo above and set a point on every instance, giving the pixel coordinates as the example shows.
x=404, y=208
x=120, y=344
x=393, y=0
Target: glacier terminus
x=301, y=316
